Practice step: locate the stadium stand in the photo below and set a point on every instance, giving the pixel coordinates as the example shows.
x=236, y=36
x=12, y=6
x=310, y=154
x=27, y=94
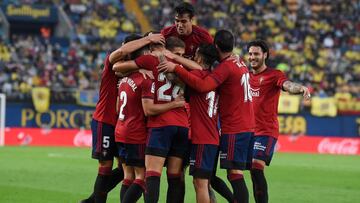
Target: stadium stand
x=315, y=41
x=32, y=60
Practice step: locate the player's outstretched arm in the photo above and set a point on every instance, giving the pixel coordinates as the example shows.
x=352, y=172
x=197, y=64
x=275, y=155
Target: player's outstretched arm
x=132, y=46
x=295, y=88
x=199, y=84
x=189, y=64
x=125, y=66
x=151, y=109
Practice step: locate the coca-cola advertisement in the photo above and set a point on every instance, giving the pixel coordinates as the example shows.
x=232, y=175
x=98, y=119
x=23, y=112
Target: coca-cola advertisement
x=319, y=145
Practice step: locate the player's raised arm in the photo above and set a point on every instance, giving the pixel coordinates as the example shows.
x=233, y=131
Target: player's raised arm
x=151, y=109
x=295, y=88
x=134, y=45
x=189, y=64
x=125, y=66
x=199, y=84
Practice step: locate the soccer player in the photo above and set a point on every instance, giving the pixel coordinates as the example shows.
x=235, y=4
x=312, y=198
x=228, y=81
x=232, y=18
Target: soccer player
x=184, y=29
x=105, y=117
x=205, y=134
x=135, y=99
x=266, y=84
x=236, y=110
x=168, y=133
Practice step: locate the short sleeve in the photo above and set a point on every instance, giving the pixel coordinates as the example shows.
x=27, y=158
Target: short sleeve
x=280, y=78
x=148, y=89
x=147, y=62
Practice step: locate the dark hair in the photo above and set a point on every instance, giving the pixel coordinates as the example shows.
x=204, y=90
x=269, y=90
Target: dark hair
x=139, y=52
x=185, y=8
x=131, y=37
x=208, y=53
x=224, y=40
x=173, y=42
x=259, y=43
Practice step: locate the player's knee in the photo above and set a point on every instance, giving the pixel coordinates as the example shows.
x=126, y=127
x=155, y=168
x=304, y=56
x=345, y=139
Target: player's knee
x=139, y=173
x=128, y=172
x=200, y=184
x=174, y=165
x=257, y=165
x=154, y=163
x=107, y=163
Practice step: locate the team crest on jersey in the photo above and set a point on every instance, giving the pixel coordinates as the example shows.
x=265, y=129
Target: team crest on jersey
x=255, y=92
x=104, y=153
x=261, y=80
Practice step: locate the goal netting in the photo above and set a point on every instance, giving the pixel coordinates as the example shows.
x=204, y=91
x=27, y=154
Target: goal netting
x=2, y=119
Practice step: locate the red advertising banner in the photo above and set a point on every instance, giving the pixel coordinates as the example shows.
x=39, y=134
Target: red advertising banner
x=48, y=137
x=319, y=145
x=83, y=138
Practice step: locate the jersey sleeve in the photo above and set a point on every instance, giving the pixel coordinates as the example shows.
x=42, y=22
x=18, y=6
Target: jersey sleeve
x=280, y=79
x=147, y=62
x=199, y=84
x=220, y=74
x=147, y=89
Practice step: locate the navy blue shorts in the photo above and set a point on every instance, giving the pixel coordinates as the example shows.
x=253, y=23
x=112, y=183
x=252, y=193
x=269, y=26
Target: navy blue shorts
x=103, y=141
x=202, y=160
x=234, y=150
x=135, y=155
x=168, y=141
x=121, y=151
x=262, y=148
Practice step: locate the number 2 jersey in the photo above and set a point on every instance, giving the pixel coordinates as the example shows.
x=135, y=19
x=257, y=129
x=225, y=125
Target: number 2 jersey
x=131, y=123
x=204, y=114
x=165, y=92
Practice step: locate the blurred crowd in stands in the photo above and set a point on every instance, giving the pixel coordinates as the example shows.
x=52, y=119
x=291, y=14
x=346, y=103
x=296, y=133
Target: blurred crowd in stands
x=30, y=61
x=316, y=42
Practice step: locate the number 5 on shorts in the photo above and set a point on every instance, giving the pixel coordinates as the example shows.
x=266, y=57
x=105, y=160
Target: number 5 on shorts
x=106, y=142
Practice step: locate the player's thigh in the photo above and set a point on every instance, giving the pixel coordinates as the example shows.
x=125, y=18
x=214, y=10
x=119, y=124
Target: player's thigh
x=234, y=150
x=103, y=139
x=159, y=141
x=202, y=160
x=263, y=149
x=135, y=155
x=180, y=143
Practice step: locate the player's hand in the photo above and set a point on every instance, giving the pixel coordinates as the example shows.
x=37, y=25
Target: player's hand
x=306, y=93
x=147, y=74
x=166, y=66
x=180, y=100
x=169, y=54
x=156, y=38
x=234, y=57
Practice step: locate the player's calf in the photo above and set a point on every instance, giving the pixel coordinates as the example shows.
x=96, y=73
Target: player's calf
x=259, y=181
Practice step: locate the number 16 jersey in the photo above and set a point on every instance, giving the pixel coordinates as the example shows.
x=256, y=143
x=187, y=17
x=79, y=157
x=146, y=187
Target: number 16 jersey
x=165, y=92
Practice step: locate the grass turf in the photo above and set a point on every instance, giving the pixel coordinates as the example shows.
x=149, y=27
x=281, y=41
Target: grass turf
x=66, y=175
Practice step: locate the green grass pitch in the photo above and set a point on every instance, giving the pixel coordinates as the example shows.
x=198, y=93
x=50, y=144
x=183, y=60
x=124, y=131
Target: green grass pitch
x=66, y=175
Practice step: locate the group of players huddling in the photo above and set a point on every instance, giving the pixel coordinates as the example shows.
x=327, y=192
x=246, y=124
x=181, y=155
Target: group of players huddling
x=180, y=98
